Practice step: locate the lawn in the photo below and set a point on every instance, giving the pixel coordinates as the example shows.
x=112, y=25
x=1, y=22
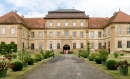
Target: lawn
x=114, y=73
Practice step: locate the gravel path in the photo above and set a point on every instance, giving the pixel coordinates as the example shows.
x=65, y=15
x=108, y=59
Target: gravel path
x=66, y=67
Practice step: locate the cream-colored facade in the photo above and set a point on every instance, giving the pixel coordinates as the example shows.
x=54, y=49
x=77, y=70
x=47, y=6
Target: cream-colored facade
x=74, y=32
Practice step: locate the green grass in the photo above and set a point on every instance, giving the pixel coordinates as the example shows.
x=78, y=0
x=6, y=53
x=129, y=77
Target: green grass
x=114, y=73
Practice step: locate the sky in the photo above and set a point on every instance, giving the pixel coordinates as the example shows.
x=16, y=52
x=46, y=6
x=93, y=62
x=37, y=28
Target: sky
x=40, y=8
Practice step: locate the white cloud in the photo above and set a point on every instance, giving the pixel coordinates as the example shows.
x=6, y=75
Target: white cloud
x=100, y=8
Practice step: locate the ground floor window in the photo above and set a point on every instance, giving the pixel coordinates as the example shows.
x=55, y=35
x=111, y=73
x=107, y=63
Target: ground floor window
x=32, y=45
x=128, y=44
x=108, y=43
x=58, y=45
x=92, y=45
x=74, y=45
x=50, y=46
x=81, y=45
x=119, y=44
x=40, y=45
x=99, y=45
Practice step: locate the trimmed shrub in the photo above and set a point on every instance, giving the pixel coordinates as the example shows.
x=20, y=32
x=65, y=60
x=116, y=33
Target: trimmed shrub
x=38, y=57
x=14, y=56
x=98, y=60
x=17, y=66
x=110, y=64
x=121, y=54
x=30, y=61
x=116, y=55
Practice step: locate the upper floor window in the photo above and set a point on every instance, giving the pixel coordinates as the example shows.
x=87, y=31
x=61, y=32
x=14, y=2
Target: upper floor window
x=99, y=34
x=104, y=33
x=119, y=30
x=12, y=31
x=74, y=34
x=3, y=30
x=81, y=24
x=74, y=23
x=119, y=44
x=66, y=34
x=92, y=34
x=50, y=34
x=32, y=34
x=128, y=30
x=58, y=34
x=50, y=24
x=128, y=44
x=58, y=24
x=66, y=23
x=40, y=34
x=81, y=34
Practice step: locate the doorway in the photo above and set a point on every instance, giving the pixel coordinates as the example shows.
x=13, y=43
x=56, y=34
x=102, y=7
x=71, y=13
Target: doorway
x=66, y=49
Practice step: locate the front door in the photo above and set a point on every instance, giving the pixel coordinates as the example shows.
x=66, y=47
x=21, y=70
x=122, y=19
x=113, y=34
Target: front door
x=66, y=49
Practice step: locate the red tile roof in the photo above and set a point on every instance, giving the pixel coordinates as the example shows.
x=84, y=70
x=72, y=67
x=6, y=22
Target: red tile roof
x=97, y=22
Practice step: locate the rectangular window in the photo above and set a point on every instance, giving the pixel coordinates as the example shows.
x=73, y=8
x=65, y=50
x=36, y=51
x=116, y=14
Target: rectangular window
x=50, y=24
x=99, y=45
x=58, y=45
x=74, y=45
x=81, y=45
x=32, y=45
x=128, y=44
x=81, y=24
x=58, y=34
x=74, y=24
x=99, y=34
x=32, y=34
x=3, y=30
x=66, y=23
x=58, y=24
x=105, y=45
x=108, y=43
x=119, y=30
x=12, y=31
x=40, y=45
x=119, y=44
x=40, y=34
x=66, y=34
x=92, y=45
x=81, y=34
x=74, y=34
x=92, y=34
x=50, y=34
x=128, y=30
x=50, y=46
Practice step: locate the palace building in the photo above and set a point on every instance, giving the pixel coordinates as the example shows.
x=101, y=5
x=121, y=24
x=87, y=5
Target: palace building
x=67, y=29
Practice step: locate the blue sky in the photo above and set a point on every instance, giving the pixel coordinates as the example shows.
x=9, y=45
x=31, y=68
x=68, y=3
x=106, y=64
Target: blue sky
x=39, y=8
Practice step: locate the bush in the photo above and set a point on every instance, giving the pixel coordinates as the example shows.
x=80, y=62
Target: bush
x=38, y=57
x=61, y=52
x=30, y=61
x=103, y=54
x=110, y=64
x=116, y=55
x=70, y=52
x=98, y=60
x=121, y=54
x=14, y=56
x=17, y=66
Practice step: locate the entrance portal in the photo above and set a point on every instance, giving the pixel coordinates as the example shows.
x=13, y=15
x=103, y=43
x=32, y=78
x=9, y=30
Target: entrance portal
x=66, y=49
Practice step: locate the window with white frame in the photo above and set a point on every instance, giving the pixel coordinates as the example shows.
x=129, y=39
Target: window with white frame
x=50, y=34
x=81, y=23
x=50, y=24
x=74, y=45
x=58, y=45
x=128, y=30
x=74, y=34
x=66, y=23
x=119, y=30
x=99, y=34
x=58, y=24
x=12, y=31
x=50, y=46
x=92, y=34
x=32, y=34
x=92, y=45
x=81, y=34
x=66, y=33
x=40, y=45
x=3, y=30
x=58, y=34
x=119, y=44
x=40, y=34
x=128, y=44
x=74, y=23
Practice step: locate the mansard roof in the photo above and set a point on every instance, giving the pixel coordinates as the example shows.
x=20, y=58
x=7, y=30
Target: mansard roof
x=97, y=22
x=66, y=14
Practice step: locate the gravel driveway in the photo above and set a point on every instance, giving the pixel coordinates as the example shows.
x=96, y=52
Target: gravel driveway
x=66, y=67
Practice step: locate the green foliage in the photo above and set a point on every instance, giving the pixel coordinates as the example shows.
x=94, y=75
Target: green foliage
x=71, y=52
x=37, y=56
x=17, y=66
x=61, y=52
x=103, y=54
x=14, y=56
x=88, y=48
x=48, y=54
x=3, y=48
x=24, y=55
x=116, y=55
x=42, y=53
x=92, y=56
x=98, y=60
x=121, y=54
x=110, y=64
x=30, y=61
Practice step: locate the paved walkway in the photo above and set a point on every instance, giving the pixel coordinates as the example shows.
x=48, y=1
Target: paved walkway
x=66, y=67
